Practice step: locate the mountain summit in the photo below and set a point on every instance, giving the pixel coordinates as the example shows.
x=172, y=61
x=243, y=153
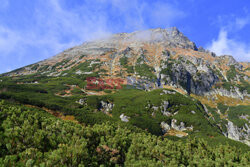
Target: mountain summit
x=170, y=37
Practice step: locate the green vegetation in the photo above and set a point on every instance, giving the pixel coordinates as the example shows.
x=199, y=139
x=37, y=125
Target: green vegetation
x=244, y=86
x=131, y=102
x=168, y=70
x=86, y=66
x=32, y=137
x=107, y=91
x=105, y=139
x=247, y=69
x=34, y=67
x=124, y=63
x=130, y=69
x=82, y=56
x=222, y=108
x=143, y=69
x=235, y=112
x=166, y=52
x=227, y=85
x=43, y=68
x=59, y=64
x=231, y=74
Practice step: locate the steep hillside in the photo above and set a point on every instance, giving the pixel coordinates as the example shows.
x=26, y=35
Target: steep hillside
x=157, y=80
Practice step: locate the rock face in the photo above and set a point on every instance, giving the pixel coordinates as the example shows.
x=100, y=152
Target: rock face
x=192, y=74
x=82, y=101
x=230, y=61
x=181, y=127
x=238, y=134
x=233, y=92
x=124, y=118
x=165, y=127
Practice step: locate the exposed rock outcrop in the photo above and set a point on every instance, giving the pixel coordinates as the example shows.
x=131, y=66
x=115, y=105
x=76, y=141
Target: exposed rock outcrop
x=238, y=134
x=173, y=126
x=106, y=107
x=234, y=92
x=124, y=118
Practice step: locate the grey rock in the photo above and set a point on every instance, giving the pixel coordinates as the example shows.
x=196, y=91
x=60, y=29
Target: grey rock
x=155, y=108
x=233, y=92
x=106, y=107
x=180, y=127
x=82, y=101
x=238, y=134
x=165, y=127
x=231, y=61
x=201, y=49
x=168, y=92
x=124, y=118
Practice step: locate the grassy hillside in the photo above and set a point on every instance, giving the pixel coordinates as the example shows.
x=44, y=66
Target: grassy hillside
x=32, y=137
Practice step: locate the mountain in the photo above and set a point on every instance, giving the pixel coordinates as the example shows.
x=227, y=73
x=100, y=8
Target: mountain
x=162, y=55
x=156, y=80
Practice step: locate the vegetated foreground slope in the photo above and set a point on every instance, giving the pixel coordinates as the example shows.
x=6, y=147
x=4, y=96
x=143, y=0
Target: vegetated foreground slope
x=32, y=137
x=161, y=112
x=155, y=82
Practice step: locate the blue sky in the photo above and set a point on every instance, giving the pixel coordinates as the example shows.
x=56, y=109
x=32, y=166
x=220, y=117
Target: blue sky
x=31, y=31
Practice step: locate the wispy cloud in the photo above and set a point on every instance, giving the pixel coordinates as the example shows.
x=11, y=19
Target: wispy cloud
x=232, y=22
x=224, y=44
x=139, y=14
x=55, y=25
x=242, y=22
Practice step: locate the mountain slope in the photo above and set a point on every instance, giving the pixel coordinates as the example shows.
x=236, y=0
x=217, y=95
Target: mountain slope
x=84, y=81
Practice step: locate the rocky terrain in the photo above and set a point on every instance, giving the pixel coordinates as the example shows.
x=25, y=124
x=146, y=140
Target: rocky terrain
x=157, y=59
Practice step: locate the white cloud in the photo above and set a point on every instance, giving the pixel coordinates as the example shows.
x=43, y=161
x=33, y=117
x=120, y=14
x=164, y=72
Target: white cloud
x=242, y=22
x=231, y=45
x=54, y=26
x=53, y=30
x=232, y=22
x=224, y=45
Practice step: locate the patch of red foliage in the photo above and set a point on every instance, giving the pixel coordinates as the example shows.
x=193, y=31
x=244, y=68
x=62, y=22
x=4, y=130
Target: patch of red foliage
x=110, y=83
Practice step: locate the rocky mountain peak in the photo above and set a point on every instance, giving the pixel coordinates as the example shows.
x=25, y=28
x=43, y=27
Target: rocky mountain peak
x=167, y=37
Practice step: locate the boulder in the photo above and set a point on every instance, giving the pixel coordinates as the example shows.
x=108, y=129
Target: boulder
x=124, y=118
